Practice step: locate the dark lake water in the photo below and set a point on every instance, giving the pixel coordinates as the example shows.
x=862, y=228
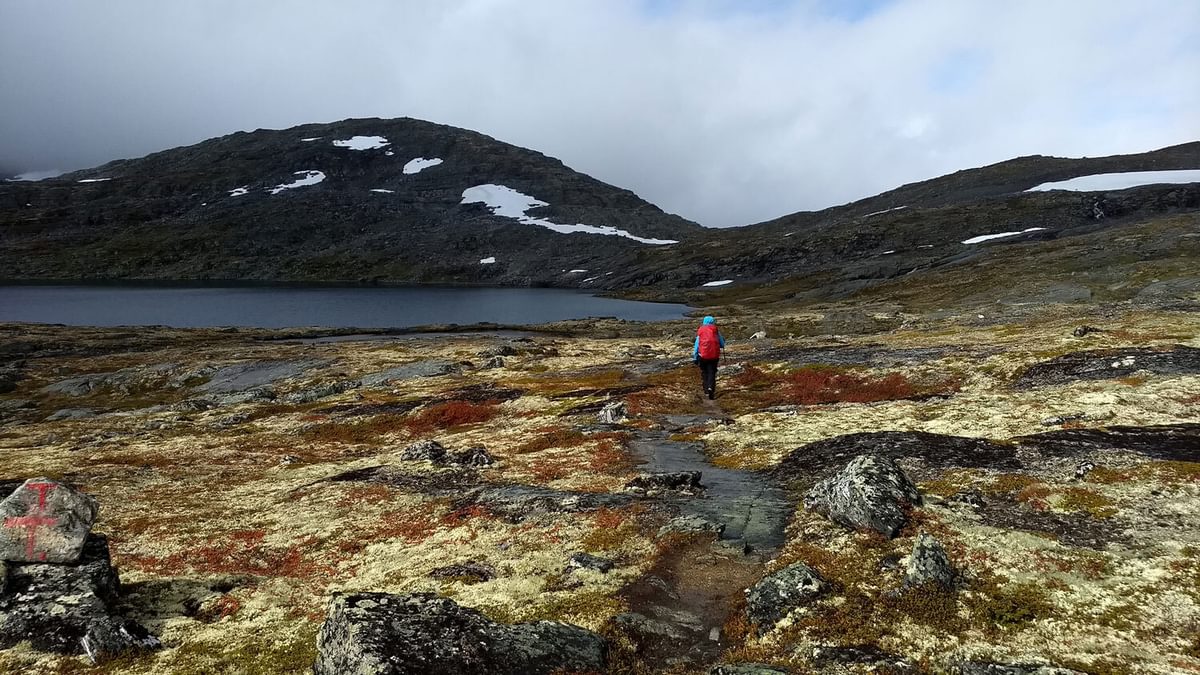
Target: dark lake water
x=282, y=307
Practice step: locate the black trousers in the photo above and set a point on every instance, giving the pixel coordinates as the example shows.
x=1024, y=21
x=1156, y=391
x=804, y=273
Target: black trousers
x=708, y=374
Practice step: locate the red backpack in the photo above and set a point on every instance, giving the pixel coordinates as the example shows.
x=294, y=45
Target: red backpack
x=710, y=344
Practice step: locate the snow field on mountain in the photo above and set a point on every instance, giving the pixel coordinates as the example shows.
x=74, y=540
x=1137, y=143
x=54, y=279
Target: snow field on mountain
x=1120, y=181
x=507, y=202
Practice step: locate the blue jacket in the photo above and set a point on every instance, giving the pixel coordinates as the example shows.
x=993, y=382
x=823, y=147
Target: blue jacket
x=696, y=347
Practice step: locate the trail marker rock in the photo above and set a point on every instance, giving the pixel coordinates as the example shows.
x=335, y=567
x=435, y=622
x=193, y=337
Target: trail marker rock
x=45, y=521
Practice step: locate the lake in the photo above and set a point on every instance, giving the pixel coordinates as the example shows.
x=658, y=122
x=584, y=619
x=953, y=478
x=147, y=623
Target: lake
x=333, y=307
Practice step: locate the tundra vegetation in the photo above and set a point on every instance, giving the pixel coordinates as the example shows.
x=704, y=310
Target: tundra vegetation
x=234, y=511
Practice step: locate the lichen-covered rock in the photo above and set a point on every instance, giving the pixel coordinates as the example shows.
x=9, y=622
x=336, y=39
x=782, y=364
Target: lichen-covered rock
x=493, y=363
x=427, y=450
x=410, y=371
x=477, y=456
x=320, y=391
x=45, y=521
x=613, y=413
x=386, y=634
x=1102, y=364
x=687, y=482
x=929, y=563
x=68, y=609
x=590, y=562
x=775, y=595
x=870, y=493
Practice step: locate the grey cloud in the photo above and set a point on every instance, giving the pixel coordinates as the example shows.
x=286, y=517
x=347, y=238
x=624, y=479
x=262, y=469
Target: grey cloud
x=721, y=117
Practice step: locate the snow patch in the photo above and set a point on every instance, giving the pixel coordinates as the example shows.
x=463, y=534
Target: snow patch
x=389, y=153
x=310, y=140
x=310, y=177
x=999, y=235
x=888, y=252
x=589, y=279
x=576, y=271
x=507, y=202
x=491, y=260
x=34, y=176
x=94, y=180
x=724, y=282
x=381, y=190
x=362, y=143
x=239, y=191
x=1120, y=181
x=876, y=213
x=416, y=165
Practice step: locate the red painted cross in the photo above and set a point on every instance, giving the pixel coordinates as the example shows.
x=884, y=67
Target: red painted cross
x=33, y=522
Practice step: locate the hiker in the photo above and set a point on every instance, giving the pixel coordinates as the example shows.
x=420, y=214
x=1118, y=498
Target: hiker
x=707, y=352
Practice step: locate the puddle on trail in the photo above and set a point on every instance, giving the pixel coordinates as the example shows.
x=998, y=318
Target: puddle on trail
x=752, y=506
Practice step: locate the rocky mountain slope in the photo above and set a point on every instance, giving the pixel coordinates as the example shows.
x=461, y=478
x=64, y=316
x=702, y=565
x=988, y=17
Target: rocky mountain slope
x=359, y=200
x=406, y=201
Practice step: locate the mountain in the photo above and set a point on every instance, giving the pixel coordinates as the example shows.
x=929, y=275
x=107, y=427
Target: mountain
x=358, y=200
x=407, y=201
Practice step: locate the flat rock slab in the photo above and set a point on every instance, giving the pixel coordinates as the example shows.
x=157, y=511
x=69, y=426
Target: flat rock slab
x=68, y=609
x=241, y=377
x=45, y=521
x=423, y=634
x=410, y=371
x=1104, y=364
x=1176, y=442
x=936, y=450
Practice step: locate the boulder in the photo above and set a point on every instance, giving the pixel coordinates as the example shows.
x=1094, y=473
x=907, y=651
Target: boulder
x=45, y=521
x=8, y=380
x=870, y=493
x=613, y=413
x=929, y=564
x=68, y=609
x=426, y=450
x=493, y=363
x=387, y=634
x=772, y=598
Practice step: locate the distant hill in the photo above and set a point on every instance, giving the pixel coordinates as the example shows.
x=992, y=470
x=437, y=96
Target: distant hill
x=359, y=200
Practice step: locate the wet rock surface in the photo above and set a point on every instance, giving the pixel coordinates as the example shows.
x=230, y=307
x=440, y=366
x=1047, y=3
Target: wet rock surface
x=776, y=595
x=937, y=450
x=1102, y=364
x=870, y=493
x=425, y=634
x=69, y=609
x=45, y=521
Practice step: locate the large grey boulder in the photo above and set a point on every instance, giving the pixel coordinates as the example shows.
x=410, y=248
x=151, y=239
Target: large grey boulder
x=870, y=493
x=929, y=563
x=772, y=598
x=68, y=609
x=45, y=521
x=424, y=634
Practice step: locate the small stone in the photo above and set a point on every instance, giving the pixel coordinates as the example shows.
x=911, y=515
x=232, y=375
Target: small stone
x=1083, y=469
x=288, y=460
x=493, y=363
x=687, y=482
x=870, y=493
x=1082, y=331
x=760, y=335
x=772, y=598
x=929, y=563
x=427, y=450
x=45, y=521
x=613, y=413
x=590, y=562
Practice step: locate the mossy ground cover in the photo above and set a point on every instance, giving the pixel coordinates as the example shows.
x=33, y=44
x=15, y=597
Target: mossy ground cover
x=231, y=538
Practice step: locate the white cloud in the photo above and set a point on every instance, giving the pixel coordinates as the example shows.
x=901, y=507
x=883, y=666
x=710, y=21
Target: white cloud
x=723, y=114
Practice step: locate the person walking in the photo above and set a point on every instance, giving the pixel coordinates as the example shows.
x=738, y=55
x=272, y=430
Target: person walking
x=706, y=353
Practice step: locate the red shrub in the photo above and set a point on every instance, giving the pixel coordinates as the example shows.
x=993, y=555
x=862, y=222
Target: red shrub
x=451, y=414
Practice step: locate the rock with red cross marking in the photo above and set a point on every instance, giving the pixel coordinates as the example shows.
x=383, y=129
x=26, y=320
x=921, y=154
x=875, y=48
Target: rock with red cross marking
x=45, y=521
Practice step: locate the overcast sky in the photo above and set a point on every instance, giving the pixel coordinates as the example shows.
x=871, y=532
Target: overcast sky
x=723, y=111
